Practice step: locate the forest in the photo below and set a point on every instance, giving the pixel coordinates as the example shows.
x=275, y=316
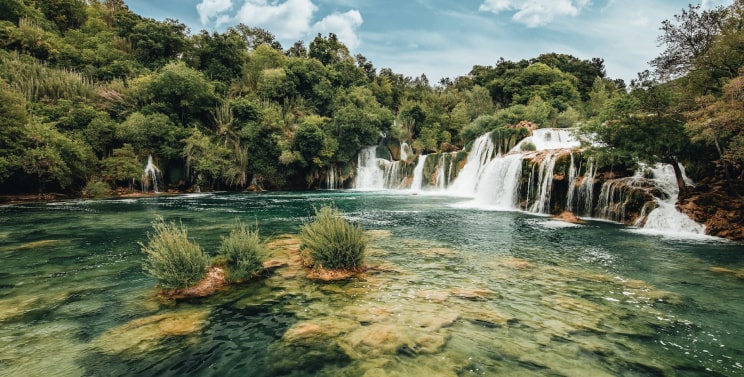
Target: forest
x=89, y=90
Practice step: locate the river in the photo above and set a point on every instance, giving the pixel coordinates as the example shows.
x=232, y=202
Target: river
x=457, y=291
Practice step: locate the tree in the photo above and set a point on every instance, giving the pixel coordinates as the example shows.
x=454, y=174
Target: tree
x=205, y=161
x=218, y=56
x=156, y=43
x=183, y=93
x=687, y=37
x=53, y=160
x=358, y=121
x=720, y=121
x=309, y=141
x=328, y=50
x=586, y=71
x=66, y=14
x=122, y=166
x=649, y=139
x=298, y=50
x=255, y=36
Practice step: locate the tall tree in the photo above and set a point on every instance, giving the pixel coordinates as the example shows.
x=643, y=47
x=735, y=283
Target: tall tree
x=689, y=35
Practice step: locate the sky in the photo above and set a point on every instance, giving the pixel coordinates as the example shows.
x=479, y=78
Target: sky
x=446, y=38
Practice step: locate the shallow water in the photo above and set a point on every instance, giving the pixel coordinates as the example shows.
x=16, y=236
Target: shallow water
x=459, y=292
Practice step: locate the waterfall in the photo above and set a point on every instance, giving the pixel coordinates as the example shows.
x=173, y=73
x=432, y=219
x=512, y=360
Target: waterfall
x=370, y=176
x=418, y=174
x=405, y=151
x=499, y=186
x=666, y=217
x=544, y=185
x=554, y=138
x=586, y=191
x=442, y=177
x=392, y=175
x=617, y=193
x=151, y=176
x=480, y=155
x=331, y=182
x=572, y=172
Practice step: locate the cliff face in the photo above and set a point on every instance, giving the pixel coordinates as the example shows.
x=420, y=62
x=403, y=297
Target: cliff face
x=718, y=204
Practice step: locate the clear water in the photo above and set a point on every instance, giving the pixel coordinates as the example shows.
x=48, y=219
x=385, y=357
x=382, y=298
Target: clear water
x=459, y=292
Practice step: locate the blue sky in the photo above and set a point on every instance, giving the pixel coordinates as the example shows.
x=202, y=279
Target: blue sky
x=445, y=38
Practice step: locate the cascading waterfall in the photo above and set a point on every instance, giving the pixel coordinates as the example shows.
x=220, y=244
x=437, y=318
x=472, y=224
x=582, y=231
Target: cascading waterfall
x=554, y=138
x=418, y=174
x=480, y=155
x=666, y=217
x=544, y=185
x=499, y=186
x=494, y=180
x=586, y=191
x=405, y=151
x=572, y=172
x=442, y=173
x=331, y=182
x=617, y=193
x=392, y=176
x=370, y=176
x=151, y=176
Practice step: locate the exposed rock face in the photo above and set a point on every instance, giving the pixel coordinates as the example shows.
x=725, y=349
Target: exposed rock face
x=720, y=212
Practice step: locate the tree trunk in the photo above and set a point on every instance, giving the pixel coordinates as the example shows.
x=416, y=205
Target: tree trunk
x=680, y=179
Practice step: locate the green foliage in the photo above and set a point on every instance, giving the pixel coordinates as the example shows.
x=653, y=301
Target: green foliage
x=506, y=138
x=333, y=243
x=242, y=251
x=66, y=14
x=97, y=189
x=205, y=161
x=37, y=81
x=528, y=146
x=171, y=258
x=122, y=166
x=183, y=93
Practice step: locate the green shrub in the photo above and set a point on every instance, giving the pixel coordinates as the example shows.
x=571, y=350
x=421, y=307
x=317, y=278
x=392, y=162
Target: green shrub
x=331, y=242
x=241, y=252
x=172, y=258
x=97, y=189
x=528, y=146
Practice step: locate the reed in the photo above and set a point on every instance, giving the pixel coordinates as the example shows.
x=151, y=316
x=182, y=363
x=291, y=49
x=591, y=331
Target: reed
x=38, y=81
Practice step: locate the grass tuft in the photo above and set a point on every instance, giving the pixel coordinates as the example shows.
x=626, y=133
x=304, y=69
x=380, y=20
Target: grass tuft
x=333, y=243
x=241, y=252
x=174, y=260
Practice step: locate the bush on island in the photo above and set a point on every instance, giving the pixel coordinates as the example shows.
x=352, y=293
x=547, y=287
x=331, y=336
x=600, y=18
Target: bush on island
x=241, y=252
x=174, y=260
x=332, y=243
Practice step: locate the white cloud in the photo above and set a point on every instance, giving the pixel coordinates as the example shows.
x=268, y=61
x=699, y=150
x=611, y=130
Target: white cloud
x=286, y=19
x=535, y=13
x=289, y=19
x=344, y=25
x=208, y=9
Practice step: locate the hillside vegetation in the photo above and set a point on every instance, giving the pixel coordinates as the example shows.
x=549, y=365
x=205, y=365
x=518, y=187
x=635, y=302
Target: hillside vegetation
x=89, y=89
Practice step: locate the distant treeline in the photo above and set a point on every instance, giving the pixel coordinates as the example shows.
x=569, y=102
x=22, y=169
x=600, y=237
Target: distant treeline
x=89, y=89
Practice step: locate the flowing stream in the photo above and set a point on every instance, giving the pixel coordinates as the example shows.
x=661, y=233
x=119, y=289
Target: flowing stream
x=457, y=292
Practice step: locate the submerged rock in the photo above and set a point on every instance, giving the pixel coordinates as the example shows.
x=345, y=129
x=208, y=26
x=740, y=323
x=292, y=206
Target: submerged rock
x=143, y=334
x=569, y=217
x=317, y=330
x=473, y=294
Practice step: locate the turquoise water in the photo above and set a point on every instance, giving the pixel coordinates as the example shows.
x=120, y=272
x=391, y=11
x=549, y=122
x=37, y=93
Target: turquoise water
x=458, y=292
